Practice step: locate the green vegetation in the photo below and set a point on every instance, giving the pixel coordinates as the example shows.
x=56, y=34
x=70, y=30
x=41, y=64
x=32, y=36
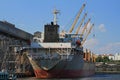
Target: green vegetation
x=102, y=59
x=105, y=59
x=114, y=62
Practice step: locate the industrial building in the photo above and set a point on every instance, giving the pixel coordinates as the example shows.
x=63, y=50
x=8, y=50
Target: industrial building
x=12, y=40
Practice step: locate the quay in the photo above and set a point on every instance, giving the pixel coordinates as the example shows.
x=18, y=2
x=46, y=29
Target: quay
x=107, y=72
x=21, y=75
x=107, y=69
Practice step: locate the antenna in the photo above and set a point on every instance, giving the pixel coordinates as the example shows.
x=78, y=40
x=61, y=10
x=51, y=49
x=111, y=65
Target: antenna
x=55, y=12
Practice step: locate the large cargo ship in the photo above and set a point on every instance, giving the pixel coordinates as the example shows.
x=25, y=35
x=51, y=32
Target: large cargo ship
x=59, y=57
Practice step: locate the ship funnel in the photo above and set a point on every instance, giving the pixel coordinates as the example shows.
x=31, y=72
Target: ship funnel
x=55, y=12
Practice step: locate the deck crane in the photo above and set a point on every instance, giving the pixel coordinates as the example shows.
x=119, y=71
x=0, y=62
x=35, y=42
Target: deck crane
x=76, y=19
x=87, y=34
x=85, y=27
x=78, y=29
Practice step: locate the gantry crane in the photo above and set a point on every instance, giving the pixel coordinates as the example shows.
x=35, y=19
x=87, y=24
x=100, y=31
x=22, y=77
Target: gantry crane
x=87, y=34
x=76, y=19
x=78, y=29
x=85, y=27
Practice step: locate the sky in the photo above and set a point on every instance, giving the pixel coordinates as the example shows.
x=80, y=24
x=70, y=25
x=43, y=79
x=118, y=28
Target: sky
x=32, y=15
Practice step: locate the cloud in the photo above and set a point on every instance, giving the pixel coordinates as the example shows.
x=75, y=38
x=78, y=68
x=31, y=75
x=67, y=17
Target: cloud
x=110, y=48
x=91, y=43
x=94, y=45
x=102, y=28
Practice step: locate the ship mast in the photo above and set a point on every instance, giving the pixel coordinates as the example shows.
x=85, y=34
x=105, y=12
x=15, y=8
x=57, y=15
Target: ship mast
x=55, y=12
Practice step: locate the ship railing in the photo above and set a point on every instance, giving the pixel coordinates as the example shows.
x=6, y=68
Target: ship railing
x=65, y=54
x=66, y=57
x=62, y=54
x=60, y=57
x=63, y=51
x=45, y=57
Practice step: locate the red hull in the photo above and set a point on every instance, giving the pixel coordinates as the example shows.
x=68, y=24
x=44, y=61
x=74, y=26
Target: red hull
x=63, y=73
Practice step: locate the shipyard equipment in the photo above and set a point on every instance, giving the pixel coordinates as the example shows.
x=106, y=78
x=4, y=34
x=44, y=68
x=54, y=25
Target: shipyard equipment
x=76, y=19
x=78, y=29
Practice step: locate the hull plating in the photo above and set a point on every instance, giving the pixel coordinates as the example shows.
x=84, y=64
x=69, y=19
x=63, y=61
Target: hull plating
x=65, y=69
x=63, y=73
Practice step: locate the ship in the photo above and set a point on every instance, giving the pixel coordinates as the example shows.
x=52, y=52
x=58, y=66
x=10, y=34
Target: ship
x=59, y=57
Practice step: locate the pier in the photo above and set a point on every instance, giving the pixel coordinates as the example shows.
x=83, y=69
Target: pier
x=107, y=68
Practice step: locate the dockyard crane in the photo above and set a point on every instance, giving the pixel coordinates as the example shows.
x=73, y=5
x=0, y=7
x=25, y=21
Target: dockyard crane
x=76, y=19
x=85, y=27
x=78, y=29
x=87, y=34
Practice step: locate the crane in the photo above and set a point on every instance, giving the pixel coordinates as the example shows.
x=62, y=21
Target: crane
x=87, y=34
x=77, y=31
x=76, y=19
x=85, y=26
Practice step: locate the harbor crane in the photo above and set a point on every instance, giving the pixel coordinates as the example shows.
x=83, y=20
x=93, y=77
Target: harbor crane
x=78, y=29
x=87, y=34
x=76, y=19
x=85, y=27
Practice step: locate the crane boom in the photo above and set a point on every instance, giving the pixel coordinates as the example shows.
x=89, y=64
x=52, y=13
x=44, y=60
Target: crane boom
x=87, y=34
x=78, y=29
x=85, y=26
x=76, y=19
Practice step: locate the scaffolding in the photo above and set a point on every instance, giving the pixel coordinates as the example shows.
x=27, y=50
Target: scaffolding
x=12, y=60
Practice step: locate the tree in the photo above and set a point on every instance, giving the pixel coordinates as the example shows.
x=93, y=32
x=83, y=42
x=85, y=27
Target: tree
x=106, y=59
x=99, y=59
x=102, y=59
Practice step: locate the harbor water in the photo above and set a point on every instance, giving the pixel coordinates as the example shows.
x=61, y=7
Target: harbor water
x=95, y=77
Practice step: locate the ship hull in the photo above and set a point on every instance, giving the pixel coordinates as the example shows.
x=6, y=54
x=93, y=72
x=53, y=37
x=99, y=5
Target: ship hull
x=66, y=69
x=63, y=73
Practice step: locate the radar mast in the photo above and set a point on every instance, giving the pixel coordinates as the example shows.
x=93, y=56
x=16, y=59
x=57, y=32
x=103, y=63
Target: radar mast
x=55, y=12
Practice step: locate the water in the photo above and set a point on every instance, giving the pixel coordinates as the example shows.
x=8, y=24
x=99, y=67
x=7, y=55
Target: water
x=95, y=77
